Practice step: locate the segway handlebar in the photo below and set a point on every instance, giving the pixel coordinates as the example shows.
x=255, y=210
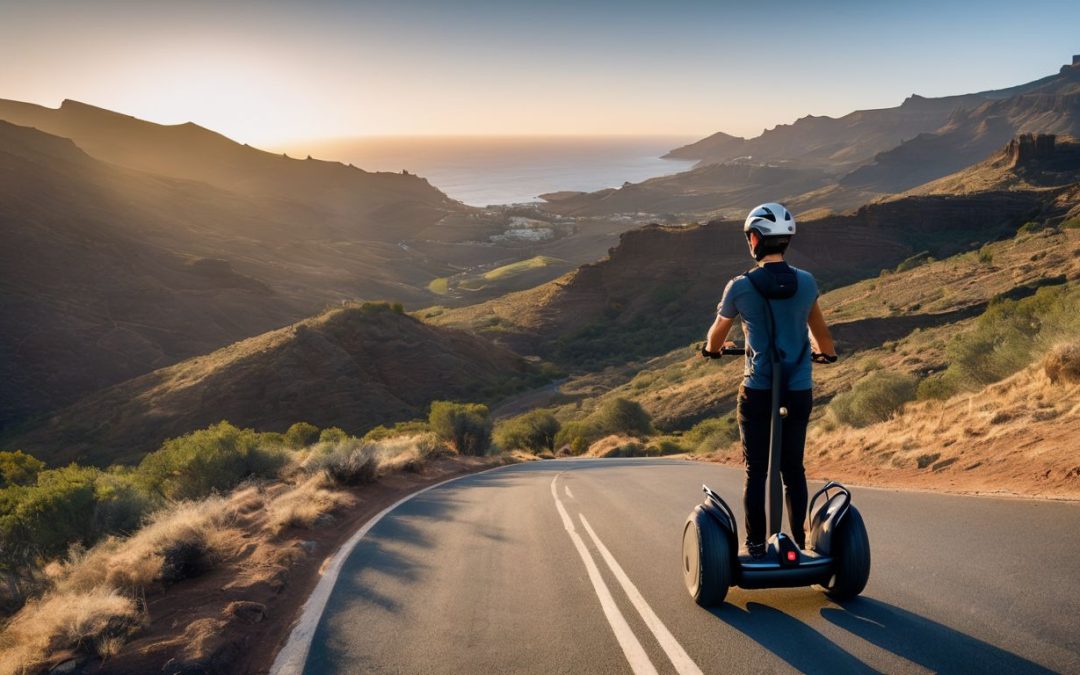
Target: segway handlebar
x=816, y=357
x=724, y=351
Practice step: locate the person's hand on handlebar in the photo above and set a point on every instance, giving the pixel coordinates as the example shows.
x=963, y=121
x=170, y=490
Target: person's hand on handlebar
x=715, y=355
x=823, y=358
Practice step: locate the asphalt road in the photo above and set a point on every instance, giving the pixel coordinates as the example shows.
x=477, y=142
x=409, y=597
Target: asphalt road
x=573, y=566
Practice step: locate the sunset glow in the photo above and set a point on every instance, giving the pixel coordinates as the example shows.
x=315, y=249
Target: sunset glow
x=276, y=72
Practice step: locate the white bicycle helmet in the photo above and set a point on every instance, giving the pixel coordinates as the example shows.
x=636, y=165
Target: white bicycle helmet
x=770, y=220
x=773, y=226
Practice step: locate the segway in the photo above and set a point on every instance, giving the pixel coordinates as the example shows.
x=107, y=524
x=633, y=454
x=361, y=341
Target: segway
x=837, y=557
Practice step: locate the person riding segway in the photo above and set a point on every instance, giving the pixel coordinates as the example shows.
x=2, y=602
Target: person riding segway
x=777, y=304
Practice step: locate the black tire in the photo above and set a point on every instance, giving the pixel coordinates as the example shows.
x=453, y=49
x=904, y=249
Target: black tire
x=851, y=553
x=706, y=553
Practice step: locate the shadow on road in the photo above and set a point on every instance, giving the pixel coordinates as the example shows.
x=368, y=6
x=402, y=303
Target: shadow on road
x=925, y=642
x=802, y=647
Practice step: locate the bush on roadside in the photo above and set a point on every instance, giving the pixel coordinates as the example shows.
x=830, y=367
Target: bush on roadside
x=19, y=468
x=712, y=434
x=534, y=430
x=213, y=459
x=350, y=462
x=616, y=416
x=874, y=399
x=301, y=435
x=466, y=425
x=332, y=435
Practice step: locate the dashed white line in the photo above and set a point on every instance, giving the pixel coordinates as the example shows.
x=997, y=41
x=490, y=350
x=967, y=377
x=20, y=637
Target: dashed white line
x=684, y=665
x=566, y=489
x=632, y=649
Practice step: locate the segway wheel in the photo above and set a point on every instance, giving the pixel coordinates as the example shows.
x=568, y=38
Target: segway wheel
x=852, y=558
x=706, y=553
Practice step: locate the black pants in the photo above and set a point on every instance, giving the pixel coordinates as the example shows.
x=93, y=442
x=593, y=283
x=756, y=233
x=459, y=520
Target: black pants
x=755, y=417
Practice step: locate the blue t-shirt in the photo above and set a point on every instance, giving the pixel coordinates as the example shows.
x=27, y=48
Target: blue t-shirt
x=792, y=335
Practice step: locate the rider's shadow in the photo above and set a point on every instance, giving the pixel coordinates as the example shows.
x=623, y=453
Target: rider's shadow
x=802, y=647
x=905, y=634
x=920, y=640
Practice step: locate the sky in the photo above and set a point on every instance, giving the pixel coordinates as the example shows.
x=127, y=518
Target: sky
x=271, y=72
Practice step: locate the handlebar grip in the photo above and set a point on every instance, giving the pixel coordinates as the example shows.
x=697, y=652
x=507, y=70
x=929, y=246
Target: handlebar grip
x=733, y=351
x=823, y=358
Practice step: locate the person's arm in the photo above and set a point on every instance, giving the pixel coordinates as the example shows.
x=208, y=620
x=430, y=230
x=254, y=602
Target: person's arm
x=718, y=333
x=821, y=340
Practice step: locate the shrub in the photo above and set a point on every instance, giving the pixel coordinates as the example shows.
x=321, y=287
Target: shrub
x=874, y=398
x=711, y=434
x=18, y=468
x=466, y=425
x=1030, y=227
x=1062, y=363
x=986, y=255
x=42, y=520
x=351, y=462
x=621, y=415
x=301, y=435
x=534, y=430
x=937, y=387
x=213, y=459
x=1072, y=223
x=333, y=435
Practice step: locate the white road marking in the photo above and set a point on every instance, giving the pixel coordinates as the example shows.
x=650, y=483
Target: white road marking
x=684, y=665
x=632, y=649
x=566, y=489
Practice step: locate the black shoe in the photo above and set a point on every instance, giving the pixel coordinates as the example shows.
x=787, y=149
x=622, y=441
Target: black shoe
x=755, y=551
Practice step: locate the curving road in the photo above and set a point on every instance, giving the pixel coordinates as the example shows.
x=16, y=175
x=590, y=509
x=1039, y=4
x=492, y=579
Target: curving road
x=572, y=566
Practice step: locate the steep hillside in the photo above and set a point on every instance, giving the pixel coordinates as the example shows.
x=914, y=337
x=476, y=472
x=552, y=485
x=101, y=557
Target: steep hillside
x=91, y=291
x=355, y=203
x=833, y=143
x=659, y=285
x=970, y=134
x=354, y=367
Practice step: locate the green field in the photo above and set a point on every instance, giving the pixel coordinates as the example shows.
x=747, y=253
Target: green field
x=513, y=269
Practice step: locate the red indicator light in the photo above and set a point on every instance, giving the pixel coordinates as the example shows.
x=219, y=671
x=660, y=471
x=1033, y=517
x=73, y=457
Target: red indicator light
x=792, y=556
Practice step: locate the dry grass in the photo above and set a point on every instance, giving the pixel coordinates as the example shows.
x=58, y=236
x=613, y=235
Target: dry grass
x=1017, y=436
x=1062, y=363
x=97, y=619
x=617, y=446
x=199, y=532
x=302, y=505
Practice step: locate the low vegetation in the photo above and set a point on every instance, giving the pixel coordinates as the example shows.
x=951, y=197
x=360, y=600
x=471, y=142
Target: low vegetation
x=1008, y=336
x=874, y=399
x=534, y=431
x=615, y=416
x=466, y=425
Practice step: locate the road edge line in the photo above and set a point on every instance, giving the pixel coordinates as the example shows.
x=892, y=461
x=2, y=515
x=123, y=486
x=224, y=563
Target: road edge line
x=635, y=653
x=292, y=657
x=684, y=665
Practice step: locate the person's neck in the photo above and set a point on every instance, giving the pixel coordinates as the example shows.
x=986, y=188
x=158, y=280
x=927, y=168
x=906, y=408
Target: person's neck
x=772, y=257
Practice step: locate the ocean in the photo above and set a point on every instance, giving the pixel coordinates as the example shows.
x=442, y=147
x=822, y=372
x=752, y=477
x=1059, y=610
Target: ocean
x=484, y=171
